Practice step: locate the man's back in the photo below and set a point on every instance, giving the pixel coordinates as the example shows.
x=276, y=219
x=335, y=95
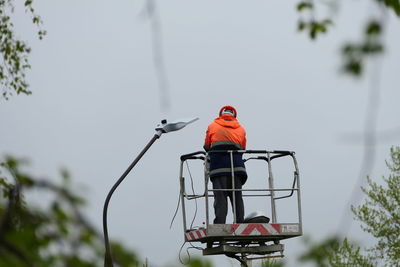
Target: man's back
x=225, y=130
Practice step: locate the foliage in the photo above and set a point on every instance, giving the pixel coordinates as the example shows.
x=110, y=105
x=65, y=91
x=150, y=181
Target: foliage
x=347, y=254
x=380, y=213
x=15, y=52
x=319, y=253
x=198, y=262
x=14, y=61
x=333, y=252
x=355, y=54
x=272, y=263
x=311, y=24
x=54, y=233
x=391, y=4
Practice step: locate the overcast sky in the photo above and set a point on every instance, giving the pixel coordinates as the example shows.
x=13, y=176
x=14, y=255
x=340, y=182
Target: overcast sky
x=96, y=102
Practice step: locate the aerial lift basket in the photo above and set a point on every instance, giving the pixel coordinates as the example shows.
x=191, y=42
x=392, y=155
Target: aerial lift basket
x=254, y=237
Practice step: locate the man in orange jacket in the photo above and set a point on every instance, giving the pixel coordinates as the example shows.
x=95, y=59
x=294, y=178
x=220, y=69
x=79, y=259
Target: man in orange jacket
x=225, y=133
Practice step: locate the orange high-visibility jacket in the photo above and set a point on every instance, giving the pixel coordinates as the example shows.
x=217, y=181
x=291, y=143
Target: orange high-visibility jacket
x=225, y=133
x=225, y=130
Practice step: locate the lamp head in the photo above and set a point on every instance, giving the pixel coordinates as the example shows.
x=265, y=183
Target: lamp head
x=166, y=127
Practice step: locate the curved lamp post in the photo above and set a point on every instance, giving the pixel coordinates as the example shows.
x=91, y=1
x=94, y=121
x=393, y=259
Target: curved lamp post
x=164, y=127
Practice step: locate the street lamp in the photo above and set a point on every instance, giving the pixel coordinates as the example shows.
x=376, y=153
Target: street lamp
x=164, y=127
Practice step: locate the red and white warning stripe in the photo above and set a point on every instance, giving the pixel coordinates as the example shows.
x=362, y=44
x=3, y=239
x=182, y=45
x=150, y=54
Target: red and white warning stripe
x=197, y=234
x=255, y=229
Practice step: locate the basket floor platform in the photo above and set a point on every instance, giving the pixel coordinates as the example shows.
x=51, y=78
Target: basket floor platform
x=245, y=232
x=246, y=238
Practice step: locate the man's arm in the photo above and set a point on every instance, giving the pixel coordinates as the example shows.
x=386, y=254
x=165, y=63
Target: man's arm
x=207, y=141
x=243, y=144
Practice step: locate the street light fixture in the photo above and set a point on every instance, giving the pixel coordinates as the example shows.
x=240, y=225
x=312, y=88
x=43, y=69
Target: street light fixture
x=164, y=127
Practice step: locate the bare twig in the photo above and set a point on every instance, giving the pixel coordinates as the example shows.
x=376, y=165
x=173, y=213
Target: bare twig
x=370, y=139
x=158, y=55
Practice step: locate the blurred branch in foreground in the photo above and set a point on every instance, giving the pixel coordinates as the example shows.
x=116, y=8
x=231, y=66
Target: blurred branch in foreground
x=54, y=233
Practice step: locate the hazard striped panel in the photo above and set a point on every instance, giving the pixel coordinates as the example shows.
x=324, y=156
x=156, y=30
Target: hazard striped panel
x=254, y=229
x=194, y=235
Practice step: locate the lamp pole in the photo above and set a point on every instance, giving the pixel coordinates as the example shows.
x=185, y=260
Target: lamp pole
x=164, y=127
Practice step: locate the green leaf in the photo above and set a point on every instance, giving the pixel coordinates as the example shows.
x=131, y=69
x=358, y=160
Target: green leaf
x=392, y=4
x=353, y=67
x=58, y=212
x=369, y=48
x=373, y=28
x=327, y=22
x=313, y=31
x=305, y=5
x=301, y=25
x=66, y=176
x=348, y=49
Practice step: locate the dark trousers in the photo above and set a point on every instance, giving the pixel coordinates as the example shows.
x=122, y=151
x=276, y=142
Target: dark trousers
x=221, y=201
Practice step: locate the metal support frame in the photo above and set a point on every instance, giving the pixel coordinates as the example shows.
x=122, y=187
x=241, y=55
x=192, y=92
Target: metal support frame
x=182, y=193
x=271, y=186
x=297, y=179
x=232, y=249
x=206, y=180
x=225, y=242
x=270, y=191
x=233, y=187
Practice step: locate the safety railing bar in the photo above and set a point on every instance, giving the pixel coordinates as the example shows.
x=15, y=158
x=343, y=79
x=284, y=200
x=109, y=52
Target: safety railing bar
x=238, y=151
x=190, y=197
x=280, y=152
x=293, y=189
x=283, y=189
x=271, y=186
x=258, y=195
x=287, y=196
x=181, y=193
x=186, y=156
x=184, y=192
x=244, y=160
x=298, y=194
x=265, y=158
x=256, y=190
x=194, y=157
x=233, y=186
x=193, y=197
x=279, y=156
